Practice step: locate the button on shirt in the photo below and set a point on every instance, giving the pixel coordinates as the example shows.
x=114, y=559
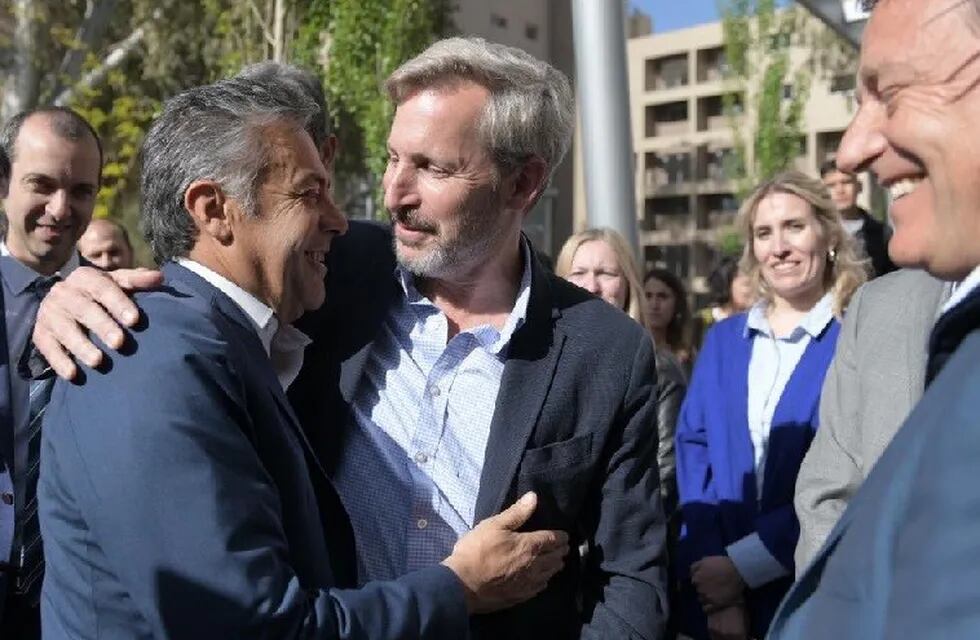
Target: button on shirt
x=414, y=452
x=771, y=364
x=20, y=305
x=285, y=344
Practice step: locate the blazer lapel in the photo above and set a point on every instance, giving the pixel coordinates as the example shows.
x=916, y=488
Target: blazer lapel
x=531, y=362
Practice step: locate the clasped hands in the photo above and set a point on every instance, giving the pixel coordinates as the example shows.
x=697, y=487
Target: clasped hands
x=721, y=591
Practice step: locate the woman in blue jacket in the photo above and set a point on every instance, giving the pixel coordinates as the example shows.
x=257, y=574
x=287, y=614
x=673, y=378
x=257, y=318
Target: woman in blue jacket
x=751, y=410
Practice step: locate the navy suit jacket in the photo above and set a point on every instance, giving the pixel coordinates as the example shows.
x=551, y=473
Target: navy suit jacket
x=176, y=497
x=904, y=559
x=575, y=421
x=716, y=475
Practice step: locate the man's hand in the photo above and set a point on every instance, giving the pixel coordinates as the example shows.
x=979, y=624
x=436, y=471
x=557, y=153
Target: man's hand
x=718, y=582
x=500, y=567
x=88, y=300
x=730, y=623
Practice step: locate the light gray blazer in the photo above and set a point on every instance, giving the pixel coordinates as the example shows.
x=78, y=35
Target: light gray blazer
x=875, y=379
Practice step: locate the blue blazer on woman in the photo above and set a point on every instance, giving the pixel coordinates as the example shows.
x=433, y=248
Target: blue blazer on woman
x=716, y=475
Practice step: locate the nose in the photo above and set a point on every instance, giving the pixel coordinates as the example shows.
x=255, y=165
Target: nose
x=399, y=187
x=58, y=206
x=779, y=245
x=332, y=219
x=590, y=283
x=864, y=139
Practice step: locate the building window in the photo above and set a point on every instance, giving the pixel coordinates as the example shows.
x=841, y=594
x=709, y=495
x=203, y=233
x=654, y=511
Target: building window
x=842, y=83
x=787, y=92
x=498, y=20
x=531, y=31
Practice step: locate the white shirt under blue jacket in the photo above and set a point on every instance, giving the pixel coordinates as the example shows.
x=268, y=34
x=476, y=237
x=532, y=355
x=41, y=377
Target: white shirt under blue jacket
x=748, y=419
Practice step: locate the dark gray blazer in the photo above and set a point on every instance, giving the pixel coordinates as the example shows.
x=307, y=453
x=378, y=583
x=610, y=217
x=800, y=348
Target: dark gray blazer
x=573, y=422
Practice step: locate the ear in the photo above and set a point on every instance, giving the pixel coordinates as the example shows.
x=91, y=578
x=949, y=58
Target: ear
x=206, y=203
x=526, y=184
x=328, y=152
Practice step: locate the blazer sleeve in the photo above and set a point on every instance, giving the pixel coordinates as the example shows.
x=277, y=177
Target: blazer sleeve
x=670, y=395
x=830, y=475
x=631, y=533
x=189, y=519
x=701, y=532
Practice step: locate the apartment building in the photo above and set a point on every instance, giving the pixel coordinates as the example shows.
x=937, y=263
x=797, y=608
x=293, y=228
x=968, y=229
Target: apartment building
x=683, y=142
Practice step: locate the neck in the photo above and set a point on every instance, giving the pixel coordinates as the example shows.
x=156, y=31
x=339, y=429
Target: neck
x=659, y=336
x=785, y=314
x=43, y=267
x=851, y=213
x=241, y=273
x=483, y=294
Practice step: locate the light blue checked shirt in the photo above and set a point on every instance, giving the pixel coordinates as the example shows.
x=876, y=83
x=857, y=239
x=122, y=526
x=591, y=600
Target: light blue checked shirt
x=410, y=473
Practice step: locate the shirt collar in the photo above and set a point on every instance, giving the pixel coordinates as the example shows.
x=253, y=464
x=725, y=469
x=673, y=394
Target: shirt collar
x=962, y=290
x=260, y=314
x=490, y=338
x=19, y=276
x=813, y=323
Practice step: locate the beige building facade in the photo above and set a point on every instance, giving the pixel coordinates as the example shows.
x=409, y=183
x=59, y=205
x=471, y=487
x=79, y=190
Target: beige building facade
x=683, y=141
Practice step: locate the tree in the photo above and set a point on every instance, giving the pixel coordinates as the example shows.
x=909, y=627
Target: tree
x=766, y=93
x=359, y=43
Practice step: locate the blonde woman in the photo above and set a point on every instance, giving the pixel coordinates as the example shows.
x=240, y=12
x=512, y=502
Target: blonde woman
x=600, y=261
x=751, y=409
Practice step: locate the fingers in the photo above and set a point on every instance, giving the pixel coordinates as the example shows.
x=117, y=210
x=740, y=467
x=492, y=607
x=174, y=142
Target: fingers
x=538, y=542
x=56, y=356
x=517, y=514
x=137, y=279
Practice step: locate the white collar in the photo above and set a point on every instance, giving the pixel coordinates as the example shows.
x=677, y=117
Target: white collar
x=962, y=290
x=262, y=316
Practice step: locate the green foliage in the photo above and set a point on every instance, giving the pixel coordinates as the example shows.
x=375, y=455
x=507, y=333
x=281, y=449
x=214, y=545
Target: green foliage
x=729, y=242
x=366, y=40
x=758, y=39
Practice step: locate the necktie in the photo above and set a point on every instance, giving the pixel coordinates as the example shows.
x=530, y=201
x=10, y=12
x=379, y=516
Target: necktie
x=950, y=330
x=31, y=553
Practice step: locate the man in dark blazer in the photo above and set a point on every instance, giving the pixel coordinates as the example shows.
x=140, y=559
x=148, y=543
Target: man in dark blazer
x=903, y=560
x=50, y=168
x=179, y=496
x=453, y=373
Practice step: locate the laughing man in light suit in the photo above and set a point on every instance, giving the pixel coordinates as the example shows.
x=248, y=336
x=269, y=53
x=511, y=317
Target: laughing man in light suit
x=903, y=560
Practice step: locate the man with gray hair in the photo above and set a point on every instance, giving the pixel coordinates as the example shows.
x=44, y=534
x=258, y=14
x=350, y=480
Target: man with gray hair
x=450, y=372
x=178, y=494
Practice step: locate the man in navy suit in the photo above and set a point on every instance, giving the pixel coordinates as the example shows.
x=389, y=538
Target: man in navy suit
x=450, y=372
x=903, y=560
x=179, y=496
x=50, y=168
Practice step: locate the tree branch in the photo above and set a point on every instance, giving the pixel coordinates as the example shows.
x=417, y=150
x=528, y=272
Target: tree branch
x=96, y=76
x=266, y=32
x=90, y=32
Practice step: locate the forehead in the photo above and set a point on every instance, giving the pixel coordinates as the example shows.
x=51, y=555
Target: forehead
x=292, y=154
x=40, y=149
x=775, y=207
x=838, y=176
x=99, y=231
x=595, y=251
x=440, y=115
x=917, y=40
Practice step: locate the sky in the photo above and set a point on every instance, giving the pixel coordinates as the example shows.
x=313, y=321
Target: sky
x=677, y=14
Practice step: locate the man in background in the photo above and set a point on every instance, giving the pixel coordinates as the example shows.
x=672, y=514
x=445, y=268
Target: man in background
x=871, y=236
x=106, y=245
x=50, y=169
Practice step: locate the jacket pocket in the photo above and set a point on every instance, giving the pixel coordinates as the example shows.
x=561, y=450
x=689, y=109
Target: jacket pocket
x=566, y=454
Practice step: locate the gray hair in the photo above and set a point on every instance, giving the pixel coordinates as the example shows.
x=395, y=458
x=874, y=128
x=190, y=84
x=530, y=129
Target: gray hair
x=300, y=80
x=214, y=132
x=531, y=109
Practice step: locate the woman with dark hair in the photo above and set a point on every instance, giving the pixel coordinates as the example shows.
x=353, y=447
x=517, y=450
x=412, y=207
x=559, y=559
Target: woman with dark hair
x=731, y=292
x=668, y=315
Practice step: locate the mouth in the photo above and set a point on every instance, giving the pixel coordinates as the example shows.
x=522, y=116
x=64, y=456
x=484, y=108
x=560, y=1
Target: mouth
x=782, y=267
x=902, y=187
